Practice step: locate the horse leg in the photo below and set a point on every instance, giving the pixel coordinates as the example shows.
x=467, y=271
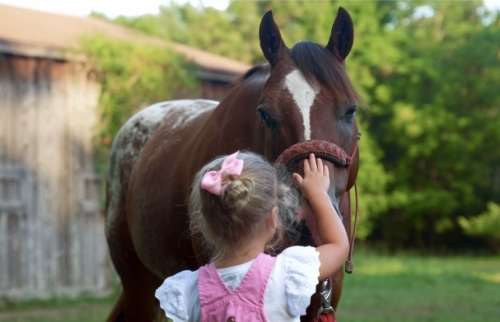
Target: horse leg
x=137, y=301
x=117, y=314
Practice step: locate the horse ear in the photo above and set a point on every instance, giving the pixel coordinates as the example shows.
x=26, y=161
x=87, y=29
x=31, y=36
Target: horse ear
x=271, y=43
x=342, y=36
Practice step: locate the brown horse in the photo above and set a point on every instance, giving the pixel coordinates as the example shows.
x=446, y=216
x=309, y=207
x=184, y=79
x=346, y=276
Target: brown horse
x=303, y=94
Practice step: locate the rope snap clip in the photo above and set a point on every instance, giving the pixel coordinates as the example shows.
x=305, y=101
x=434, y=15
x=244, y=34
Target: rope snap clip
x=326, y=297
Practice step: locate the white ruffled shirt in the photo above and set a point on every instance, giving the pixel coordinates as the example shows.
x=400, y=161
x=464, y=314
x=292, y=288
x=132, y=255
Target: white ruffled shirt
x=288, y=292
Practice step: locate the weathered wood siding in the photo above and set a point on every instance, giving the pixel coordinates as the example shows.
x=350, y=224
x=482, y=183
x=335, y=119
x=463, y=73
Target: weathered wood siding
x=51, y=226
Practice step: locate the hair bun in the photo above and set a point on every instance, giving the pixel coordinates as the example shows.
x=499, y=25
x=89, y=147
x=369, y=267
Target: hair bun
x=236, y=193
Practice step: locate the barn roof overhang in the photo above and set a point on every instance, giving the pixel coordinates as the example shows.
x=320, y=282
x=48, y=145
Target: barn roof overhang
x=32, y=33
x=34, y=51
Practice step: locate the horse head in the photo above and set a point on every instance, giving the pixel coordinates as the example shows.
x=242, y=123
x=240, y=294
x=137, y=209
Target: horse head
x=308, y=96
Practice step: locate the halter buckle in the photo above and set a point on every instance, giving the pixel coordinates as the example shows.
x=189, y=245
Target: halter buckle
x=326, y=297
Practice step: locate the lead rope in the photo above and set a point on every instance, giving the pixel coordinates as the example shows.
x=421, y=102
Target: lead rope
x=349, y=264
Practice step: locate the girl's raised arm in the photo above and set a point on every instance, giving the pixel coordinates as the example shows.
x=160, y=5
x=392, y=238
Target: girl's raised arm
x=314, y=187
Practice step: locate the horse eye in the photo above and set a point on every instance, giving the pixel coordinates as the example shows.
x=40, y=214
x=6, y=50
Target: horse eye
x=351, y=112
x=263, y=115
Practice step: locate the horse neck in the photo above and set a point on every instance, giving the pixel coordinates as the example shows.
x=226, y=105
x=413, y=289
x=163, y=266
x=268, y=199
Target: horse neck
x=235, y=123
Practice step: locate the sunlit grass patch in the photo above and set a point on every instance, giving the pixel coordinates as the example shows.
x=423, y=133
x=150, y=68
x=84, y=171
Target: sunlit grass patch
x=415, y=288
x=489, y=277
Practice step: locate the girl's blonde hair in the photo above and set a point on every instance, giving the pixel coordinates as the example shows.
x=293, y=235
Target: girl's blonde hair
x=231, y=219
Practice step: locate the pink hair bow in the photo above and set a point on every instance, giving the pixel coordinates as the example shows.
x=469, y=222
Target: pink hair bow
x=212, y=180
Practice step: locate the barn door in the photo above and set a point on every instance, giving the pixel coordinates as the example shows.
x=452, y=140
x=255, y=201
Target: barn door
x=89, y=245
x=15, y=193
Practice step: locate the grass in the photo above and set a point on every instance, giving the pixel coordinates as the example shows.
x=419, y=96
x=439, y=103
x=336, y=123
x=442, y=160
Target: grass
x=408, y=288
x=403, y=288
x=77, y=314
x=84, y=308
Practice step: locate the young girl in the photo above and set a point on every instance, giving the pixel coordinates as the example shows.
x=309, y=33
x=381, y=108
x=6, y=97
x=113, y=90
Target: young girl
x=241, y=209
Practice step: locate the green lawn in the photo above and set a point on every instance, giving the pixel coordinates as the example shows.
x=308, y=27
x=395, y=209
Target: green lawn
x=410, y=288
x=403, y=288
x=85, y=308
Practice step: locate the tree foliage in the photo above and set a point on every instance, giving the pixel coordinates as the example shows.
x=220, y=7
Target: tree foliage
x=133, y=76
x=429, y=71
x=441, y=126
x=485, y=224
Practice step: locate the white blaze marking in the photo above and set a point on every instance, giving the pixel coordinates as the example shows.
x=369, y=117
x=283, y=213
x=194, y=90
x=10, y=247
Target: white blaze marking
x=303, y=94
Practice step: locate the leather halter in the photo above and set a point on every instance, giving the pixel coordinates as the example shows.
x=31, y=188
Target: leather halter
x=323, y=149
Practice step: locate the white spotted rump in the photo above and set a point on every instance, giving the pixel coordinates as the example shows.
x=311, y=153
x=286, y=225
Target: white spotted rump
x=132, y=137
x=303, y=94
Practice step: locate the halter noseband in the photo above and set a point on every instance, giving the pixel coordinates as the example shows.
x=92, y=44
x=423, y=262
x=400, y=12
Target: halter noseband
x=322, y=149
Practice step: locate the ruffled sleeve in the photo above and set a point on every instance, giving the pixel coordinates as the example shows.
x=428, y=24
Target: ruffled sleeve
x=302, y=272
x=172, y=296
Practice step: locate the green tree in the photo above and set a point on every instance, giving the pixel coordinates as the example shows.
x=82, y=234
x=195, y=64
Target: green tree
x=485, y=224
x=440, y=129
x=133, y=76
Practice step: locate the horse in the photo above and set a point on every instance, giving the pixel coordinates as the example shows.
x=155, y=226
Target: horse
x=302, y=95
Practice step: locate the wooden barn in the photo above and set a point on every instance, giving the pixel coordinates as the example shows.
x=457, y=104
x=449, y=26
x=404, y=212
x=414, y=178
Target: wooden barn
x=51, y=224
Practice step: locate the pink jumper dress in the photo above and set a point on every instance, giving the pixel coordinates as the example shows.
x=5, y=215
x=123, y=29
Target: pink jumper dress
x=245, y=304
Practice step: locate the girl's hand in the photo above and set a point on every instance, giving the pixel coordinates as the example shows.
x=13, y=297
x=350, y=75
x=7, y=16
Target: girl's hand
x=316, y=177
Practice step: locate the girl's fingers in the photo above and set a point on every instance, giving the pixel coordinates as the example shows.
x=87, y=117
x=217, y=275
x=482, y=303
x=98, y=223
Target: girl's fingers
x=298, y=178
x=312, y=162
x=320, y=165
x=326, y=172
x=307, y=166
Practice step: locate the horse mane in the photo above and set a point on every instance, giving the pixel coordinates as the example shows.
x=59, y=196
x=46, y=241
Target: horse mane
x=257, y=70
x=316, y=62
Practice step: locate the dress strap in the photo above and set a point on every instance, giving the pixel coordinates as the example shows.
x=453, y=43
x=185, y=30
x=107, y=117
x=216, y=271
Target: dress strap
x=211, y=288
x=254, y=284
x=252, y=288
